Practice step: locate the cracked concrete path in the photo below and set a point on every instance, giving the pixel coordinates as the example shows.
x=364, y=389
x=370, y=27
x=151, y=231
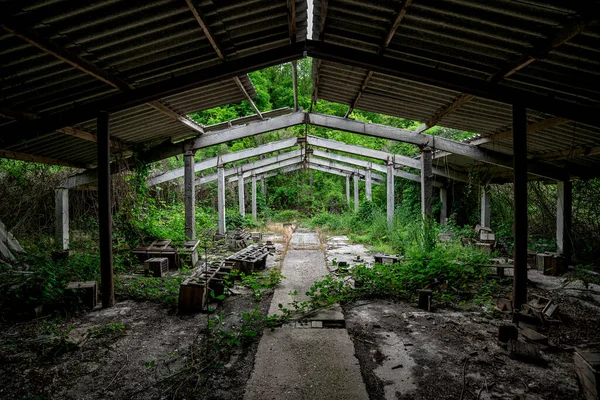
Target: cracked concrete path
x=304, y=363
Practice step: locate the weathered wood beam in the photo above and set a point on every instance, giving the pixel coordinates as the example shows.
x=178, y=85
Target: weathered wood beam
x=569, y=31
x=295, y=83
x=404, y=4
x=536, y=126
x=570, y=153
x=90, y=137
x=23, y=130
x=161, y=107
x=15, y=155
x=291, y=7
x=205, y=28
x=31, y=37
x=239, y=83
x=453, y=81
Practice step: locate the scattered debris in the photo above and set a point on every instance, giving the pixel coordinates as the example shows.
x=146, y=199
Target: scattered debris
x=526, y=352
x=534, y=336
x=587, y=365
x=507, y=333
x=504, y=306
x=86, y=292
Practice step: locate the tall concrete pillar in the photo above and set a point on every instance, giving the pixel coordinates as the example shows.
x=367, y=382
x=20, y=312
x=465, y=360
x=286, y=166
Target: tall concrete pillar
x=368, y=182
x=444, y=208
x=520, y=224
x=426, y=181
x=254, y=217
x=241, y=199
x=355, y=191
x=485, y=206
x=390, y=194
x=348, y=189
x=564, y=214
x=221, y=198
x=61, y=197
x=189, y=195
x=263, y=187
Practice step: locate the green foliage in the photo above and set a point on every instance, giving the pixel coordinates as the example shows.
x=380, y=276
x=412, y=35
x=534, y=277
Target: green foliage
x=163, y=290
x=259, y=282
x=287, y=216
x=110, y=329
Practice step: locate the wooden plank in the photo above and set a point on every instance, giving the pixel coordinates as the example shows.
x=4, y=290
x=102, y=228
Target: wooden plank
x=205, y=28
x=90, y=137
x=15, y=155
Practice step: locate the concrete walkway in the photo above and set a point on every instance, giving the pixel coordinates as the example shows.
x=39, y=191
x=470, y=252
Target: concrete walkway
x=299, y=362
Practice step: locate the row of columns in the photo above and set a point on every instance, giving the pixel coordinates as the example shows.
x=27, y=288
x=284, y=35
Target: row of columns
x=564, y=204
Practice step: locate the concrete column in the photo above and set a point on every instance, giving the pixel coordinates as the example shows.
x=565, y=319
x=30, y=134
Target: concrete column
x=61, y=197
x=254, y=197
x=189, y=195
x=485, y=206
x=368, y=182
x=564, y=213
x=390, y=194
x=348, y=189
x=520, y=224
x=426, y=182
x=263, y=187
x=221, y=198
x=241, y=199
x=355, y=191
x=105, y=210
x=444, y=208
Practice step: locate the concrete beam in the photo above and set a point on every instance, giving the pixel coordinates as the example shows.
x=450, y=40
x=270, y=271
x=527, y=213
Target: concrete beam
x=189, y=197
x=355, y=177
x=225, y=158
x=61, y=197
x=368, y=191
x=241, y=194
x=564, y=212
x=485, y=206
x=444, y=208
x=254, y=213
x=221, y=199
x=426, y=182
x=343, y=168
x=348, y=189
x=435, y=142
x=390, y=194
x=378, y=155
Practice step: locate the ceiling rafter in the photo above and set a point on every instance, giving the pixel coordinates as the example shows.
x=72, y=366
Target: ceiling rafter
x=507, y=134
x=404, y=4
x=324, y=9
x=201, y=19
x=15, y=155
x=541, y=51
x=89, y=68
x=291, y=6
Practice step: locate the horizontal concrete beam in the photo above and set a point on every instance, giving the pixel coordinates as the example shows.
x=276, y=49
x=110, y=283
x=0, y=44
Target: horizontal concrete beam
x=257, y=169
x=342, y=167
x=379, y=155
x=225, y=158
x=435, y=142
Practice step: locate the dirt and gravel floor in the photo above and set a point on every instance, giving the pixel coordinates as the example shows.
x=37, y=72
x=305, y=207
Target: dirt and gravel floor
x=404, y=352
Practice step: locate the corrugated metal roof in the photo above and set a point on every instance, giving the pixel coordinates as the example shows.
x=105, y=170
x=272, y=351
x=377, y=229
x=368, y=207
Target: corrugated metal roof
x=135, y=43
x=474, y=39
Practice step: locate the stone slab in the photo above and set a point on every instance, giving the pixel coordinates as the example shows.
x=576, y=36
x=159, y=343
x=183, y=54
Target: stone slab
x=297, y=364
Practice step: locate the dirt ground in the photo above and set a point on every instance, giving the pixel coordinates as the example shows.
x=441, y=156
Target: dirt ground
x=404, y=352
x=136, y=363
x=407, y=353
